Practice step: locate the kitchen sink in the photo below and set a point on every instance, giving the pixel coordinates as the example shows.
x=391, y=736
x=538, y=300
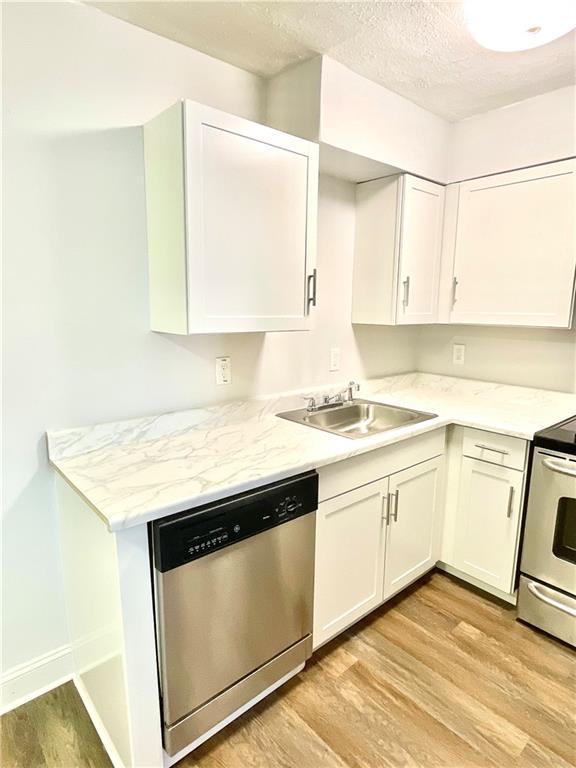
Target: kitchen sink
x=359, y=418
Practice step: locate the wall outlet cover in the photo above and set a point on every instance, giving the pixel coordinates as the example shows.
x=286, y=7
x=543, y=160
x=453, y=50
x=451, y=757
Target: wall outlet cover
x=223, y=371
x=335, y=358
x=458, y=354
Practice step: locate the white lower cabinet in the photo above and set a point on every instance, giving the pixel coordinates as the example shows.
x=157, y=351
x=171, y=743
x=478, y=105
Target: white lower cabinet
x=373, y=541
x=350, y=541
x=413, y=531
x=488, y=520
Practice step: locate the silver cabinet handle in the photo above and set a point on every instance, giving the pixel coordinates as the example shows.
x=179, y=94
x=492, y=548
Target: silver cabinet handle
x=535, y=589
x=488, y=448
x=385, y=507
x=393, y=508
x=312, y=281
x=510, y=501
x=406, y=284
x=454, y=286
x=562, y=469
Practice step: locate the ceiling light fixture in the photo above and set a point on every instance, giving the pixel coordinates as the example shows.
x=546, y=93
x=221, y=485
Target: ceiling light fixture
x=516, y=25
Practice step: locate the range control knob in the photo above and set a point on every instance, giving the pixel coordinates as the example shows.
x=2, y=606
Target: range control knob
x=236, y=528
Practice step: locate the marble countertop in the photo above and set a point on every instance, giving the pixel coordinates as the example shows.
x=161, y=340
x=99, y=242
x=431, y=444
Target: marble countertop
x=131, y=472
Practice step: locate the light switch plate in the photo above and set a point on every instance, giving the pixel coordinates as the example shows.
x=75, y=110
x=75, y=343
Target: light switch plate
x=458, y=354
x=223, y=371
x=335, y=358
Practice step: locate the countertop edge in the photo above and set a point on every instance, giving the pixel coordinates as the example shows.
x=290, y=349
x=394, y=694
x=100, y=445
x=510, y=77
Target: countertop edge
x=117, y=524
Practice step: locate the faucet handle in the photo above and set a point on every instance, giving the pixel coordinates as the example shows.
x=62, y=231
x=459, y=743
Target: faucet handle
x=311, y=406
x=352, y=387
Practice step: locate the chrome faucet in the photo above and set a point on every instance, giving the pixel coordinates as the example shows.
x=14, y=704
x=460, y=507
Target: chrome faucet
x=332, y=401
x=327, y=401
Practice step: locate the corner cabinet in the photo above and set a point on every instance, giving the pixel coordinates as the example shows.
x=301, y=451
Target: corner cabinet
x=488, y=527
x=486, y=479
x=373, y=541
x=399, y=223
x=515, y=248
x=231, y=217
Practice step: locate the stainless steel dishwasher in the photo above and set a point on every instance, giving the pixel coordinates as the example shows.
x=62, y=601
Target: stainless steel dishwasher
x=233, y=589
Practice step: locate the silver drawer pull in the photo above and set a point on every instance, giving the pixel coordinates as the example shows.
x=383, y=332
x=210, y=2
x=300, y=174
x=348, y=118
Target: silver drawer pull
x=488, y=448
x=562, y=469
x=510, y=501
x=534, y=589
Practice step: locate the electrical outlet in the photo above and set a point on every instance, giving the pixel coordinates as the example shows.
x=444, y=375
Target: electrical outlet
x=458, y=354
x=335, y=358
x=223, y=371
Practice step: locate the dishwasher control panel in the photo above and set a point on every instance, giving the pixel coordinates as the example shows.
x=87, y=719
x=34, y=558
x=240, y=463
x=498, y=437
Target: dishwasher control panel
x=198, y=532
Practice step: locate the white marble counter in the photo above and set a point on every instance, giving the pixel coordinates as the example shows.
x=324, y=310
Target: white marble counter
x=134, y=471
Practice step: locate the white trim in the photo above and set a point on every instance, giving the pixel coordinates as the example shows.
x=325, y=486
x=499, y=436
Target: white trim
x=101, y=729
x=25, y=682
x=505, y=596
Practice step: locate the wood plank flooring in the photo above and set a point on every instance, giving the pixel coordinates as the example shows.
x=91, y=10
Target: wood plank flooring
x=441, y=677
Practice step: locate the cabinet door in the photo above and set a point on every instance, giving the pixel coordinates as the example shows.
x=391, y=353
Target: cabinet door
x=488, y=521
x=420, y=251
x=413, y=530
x=349, y=558
x=231, y=214
x=516, y=248
x=251, y=202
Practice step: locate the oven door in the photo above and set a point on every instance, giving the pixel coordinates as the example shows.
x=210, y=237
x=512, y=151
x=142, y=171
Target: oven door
x=549, y=550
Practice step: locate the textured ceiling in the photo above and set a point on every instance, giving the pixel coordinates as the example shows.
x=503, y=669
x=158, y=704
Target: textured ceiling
x=420, y=49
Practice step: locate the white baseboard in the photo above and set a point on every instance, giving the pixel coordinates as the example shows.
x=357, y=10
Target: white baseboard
x=507, y=598
x=27, y=681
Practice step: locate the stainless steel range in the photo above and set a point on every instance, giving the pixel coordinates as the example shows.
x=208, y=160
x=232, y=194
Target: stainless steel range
x=547, y=593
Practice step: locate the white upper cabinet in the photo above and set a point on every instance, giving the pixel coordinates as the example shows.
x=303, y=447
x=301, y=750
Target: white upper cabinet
x=232, y=218
x=397, y=251
x=515, y=248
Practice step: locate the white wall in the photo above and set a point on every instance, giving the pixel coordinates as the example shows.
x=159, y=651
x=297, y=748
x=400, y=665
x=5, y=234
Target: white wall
x=365, y=130
x=365, y=118
x=533, y=131
x=530, y=357
x=78, y=83
x=321, y=99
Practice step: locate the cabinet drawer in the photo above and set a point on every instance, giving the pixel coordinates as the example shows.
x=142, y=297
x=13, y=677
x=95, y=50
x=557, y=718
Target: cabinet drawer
x=497, y=449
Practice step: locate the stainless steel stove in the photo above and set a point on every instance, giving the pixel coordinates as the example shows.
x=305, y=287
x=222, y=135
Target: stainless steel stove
x=547, y=592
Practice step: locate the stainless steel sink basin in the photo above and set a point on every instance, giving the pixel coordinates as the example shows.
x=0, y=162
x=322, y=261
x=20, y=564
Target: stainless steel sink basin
x=358, y=419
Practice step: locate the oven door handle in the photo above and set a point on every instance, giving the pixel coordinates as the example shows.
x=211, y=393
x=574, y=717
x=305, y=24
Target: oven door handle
x=535, y=590
x=562, y=469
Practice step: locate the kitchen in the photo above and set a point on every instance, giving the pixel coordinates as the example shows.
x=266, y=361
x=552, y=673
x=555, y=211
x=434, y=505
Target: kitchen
x=373, y=264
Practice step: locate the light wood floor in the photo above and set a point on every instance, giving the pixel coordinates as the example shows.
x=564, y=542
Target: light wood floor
x=440, y=678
